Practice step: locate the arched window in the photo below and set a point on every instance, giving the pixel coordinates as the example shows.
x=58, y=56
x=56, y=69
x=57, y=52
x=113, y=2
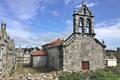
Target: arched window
x=80, y=24
x=88, y=25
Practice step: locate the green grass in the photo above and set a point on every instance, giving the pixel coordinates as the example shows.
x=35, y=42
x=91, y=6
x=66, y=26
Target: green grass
x=98, y=75
x=103, y=75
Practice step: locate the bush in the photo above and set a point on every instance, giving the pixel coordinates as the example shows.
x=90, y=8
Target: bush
x=102, y=75
x=98, y=75
x=72, y=76
x=114, y=70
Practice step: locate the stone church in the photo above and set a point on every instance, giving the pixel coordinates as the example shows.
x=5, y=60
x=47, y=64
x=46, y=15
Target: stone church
x=7, y=55
x=81, y=50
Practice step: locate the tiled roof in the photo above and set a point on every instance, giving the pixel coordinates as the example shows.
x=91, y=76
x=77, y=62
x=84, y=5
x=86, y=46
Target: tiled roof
x=55, y=43
x=40, y=53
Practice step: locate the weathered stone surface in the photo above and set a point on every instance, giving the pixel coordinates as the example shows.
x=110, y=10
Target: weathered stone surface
x=23, y=55
x=82, y=48
x=7, y=56
x=39, y=61
x=54, y=60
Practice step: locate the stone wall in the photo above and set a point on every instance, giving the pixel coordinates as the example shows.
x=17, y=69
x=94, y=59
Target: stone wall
x=26, y=59
x=39, y=61
x=80, y=48
x=23, y=55
x=54, y=58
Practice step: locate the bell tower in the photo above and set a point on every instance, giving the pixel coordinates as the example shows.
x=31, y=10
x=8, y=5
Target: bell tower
x=3, y=25
x=3, y=28
x=83, y=21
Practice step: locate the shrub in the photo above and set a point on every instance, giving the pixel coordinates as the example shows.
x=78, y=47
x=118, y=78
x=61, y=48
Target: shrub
x=72, y=76
x=98, y=75
x=102, y=75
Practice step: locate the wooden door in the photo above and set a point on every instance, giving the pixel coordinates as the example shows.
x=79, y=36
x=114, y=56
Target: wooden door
x=85, y=65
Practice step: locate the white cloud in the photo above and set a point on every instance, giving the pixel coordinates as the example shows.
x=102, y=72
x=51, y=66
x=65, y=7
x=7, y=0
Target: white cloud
x=91, y=4
x=67, y=2
x=23, y=9
x=67, y=31
x=24, y=36
x=2, y=11
x=55, y=13
x=69, y=24
x=21, y=32
x=75, y=2
x=109, y=31
x=42, y=8
x=71, y=2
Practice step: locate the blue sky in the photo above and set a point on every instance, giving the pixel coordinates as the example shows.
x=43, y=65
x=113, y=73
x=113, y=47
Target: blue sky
x=36, y=22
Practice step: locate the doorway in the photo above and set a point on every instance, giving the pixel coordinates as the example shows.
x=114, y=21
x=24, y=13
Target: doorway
x=85, y=65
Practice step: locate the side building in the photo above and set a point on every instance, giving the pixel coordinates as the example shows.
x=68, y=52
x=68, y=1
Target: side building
x=54, y=50
x=23, y=55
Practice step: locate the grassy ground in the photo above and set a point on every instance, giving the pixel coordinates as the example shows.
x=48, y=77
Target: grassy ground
x=22, y=69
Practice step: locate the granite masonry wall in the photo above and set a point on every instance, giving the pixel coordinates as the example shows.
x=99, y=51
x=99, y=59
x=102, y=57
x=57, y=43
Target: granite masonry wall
x=78, y=48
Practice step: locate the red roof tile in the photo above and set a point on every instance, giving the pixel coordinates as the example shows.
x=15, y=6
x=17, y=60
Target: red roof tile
x=40, y=53
x=55, y=43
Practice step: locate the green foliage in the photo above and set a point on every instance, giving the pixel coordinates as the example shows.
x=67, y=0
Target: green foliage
x=72, y=76
x=102, y=75
x=105, y=74
x=114, y=70
x=117, y=55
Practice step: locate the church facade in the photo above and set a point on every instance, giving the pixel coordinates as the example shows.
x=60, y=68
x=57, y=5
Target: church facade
x=82, y=51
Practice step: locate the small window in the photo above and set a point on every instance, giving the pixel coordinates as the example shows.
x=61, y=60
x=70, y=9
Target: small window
x=84, y=11
x=85, y=65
